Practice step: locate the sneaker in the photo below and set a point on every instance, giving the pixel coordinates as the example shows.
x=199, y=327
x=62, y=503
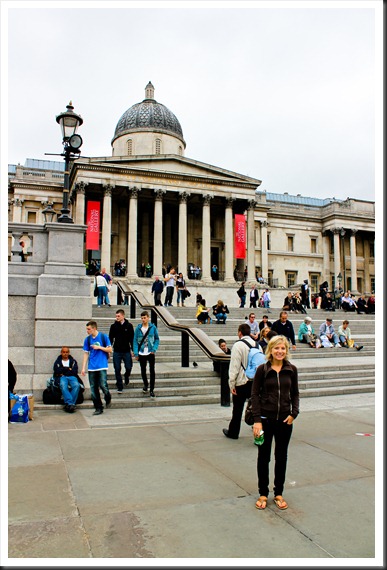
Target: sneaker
x=108, y=400
x=145, y=390
x=359, y=347
x=338, y=345
x=152, y=394
x=126, y=380
x=97, y=412
x=119, y=391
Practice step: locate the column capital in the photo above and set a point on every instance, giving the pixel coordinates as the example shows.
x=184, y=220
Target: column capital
x=252, y=204
x=230, y=201
x=133, y=191
x=18, y=202
x=80, y=187
x=46, y=203
x=107, y=190
x=264, y=223
x=207, y=199
x=353, y=231
x=159, y=193
x=338, y=231
x=183, y=197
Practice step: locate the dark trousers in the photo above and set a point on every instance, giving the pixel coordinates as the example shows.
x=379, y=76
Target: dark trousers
x=243, y=392
x=143, y=359
x=224, y=386
x=168, y=295
x=281, y=432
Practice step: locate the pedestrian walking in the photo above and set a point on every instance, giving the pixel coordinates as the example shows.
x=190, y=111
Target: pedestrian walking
x=275, y=405
x=97, y=348
x=121, y=336
x=145, y=344
x=240, y=385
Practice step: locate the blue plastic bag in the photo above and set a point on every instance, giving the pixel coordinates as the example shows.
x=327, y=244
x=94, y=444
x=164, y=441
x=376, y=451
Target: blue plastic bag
x=19, y=412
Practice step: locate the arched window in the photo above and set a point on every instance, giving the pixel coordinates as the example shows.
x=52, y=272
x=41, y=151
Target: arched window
x=158, y=146
x=180, y=150
x=130, y=147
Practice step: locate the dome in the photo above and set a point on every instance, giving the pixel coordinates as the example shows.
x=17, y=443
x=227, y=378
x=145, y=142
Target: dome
x=149, y=115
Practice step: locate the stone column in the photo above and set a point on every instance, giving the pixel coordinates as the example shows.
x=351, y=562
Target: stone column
x=338, y=267
x=251, y=241
x=264, y=254
x=131, y=258
x=326, y=256
x=353, y=261
x=182, y=261
x=80, y=203
x=17, y=209
x=206, y=239
x=367, y=279
x=158, y=233
x=229, y=241
x=106, y=228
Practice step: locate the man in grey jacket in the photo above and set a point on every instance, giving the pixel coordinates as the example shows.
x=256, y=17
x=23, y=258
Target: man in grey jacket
x=240, y=386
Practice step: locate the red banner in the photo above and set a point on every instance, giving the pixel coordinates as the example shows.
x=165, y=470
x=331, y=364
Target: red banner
x=240, y=236
x=93, y=216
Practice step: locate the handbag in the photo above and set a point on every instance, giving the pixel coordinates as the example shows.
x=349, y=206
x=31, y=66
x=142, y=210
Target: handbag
x=20, y=409
x=95, y=288
x=249, y=419
x=350, y=342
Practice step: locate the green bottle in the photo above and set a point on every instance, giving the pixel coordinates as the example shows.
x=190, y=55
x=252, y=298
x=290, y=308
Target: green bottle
x=260, y=439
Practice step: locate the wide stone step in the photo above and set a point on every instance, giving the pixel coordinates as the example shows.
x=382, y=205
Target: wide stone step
x=338, y=390
x=335, y=382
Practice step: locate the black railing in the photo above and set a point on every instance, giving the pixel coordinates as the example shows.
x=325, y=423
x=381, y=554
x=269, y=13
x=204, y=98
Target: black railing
x=207, y=345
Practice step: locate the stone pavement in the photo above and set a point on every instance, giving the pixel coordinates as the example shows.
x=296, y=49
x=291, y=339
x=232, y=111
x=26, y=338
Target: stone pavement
x=164, y=483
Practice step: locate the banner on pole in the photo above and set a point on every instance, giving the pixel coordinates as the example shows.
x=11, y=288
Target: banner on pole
x=240, y=236
x=93, y=214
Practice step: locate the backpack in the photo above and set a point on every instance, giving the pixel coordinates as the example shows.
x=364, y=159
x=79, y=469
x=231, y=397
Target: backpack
x=255, y=358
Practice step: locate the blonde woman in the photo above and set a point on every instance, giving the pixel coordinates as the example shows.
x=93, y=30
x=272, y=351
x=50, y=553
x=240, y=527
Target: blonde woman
x=275, y=405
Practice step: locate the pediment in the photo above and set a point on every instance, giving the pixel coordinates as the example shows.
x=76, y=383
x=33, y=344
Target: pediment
x=172, y=164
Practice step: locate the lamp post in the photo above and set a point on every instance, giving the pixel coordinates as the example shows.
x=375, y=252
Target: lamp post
x=69, y=122
x=342, y=233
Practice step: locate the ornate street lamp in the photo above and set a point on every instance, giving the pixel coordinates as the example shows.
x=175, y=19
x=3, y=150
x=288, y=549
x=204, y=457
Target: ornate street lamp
x=48, y=214
x=69, y=122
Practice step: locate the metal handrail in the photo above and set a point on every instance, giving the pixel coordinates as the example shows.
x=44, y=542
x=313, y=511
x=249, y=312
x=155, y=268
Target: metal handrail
x=207, y=345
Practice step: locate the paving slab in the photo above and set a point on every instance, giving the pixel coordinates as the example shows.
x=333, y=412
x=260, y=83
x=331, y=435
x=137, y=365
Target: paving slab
x=159, y=485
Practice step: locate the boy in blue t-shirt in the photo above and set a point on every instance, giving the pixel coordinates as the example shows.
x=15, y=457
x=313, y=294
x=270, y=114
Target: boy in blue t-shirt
x=97, y=347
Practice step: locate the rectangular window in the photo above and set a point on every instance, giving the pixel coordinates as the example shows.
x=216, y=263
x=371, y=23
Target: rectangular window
x=290, y=278
x=290, y=243
x=268, y=241
x=314, y=281
x=372, y=284
x=31, y=217
x=372, y=249
x=313, y=245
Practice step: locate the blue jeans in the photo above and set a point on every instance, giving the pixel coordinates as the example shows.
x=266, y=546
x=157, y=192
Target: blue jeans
x=243, y=301
x=220, y=316
x=103, y=295
x=168, y=295
x=69, y=397
x=266, y=304
x=180, y=296
x=118, y=358
x=98, y=380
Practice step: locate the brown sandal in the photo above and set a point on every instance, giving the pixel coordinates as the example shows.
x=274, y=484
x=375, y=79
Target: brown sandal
x=280, y=502
x=263, y=501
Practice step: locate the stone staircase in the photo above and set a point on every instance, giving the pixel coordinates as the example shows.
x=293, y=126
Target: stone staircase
x=321, y=372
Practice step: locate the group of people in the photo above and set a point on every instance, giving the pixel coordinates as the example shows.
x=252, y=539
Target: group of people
x=254, y=299
x=120, y=268
x=327, y=337
x=102, y=284
x=125, y=343
x=170, y=281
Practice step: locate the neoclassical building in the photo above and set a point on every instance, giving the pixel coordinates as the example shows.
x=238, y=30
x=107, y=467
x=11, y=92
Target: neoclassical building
x=157, y=205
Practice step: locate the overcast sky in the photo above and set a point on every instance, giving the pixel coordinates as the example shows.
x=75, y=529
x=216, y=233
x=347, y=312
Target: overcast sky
x=283, y=94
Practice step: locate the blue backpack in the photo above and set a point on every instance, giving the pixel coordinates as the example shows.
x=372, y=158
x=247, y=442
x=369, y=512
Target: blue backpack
x=255, y=358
